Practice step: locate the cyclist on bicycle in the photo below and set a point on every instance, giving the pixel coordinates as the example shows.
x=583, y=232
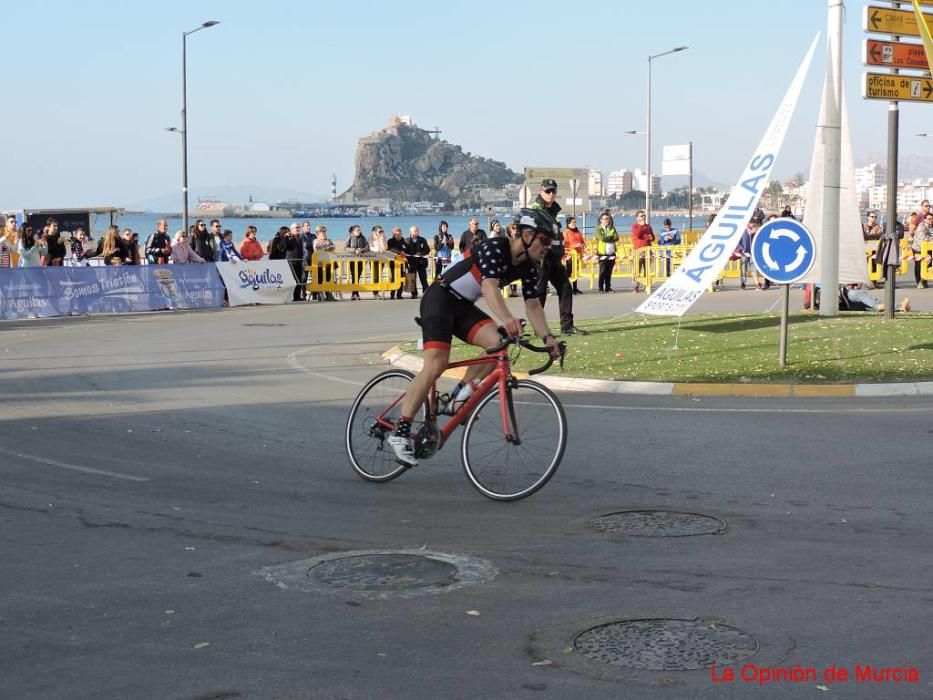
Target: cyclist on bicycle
x=448, y=308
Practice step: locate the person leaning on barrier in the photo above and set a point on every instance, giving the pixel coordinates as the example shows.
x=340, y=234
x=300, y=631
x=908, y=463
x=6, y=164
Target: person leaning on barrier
x=574, y=242
x=607, y=238
x=250, y=248
x=399, y=246
x=6, y=253
x=29, y=248
x=419, y=251
x=923, y=233
x=553, y=271
x=357, y=246
x=871, y=229
x=111, y=247
x=474, y=234
x=57, y=251
x=131, y=243
x=228, y=251
x=202, y=240
x=668, y=237
x=377, y=244
x=158, y=246
x=277, y=246
x=295, y=255
x=322, y=244
x=182, y=252
x=642, y=237
x=443, y=248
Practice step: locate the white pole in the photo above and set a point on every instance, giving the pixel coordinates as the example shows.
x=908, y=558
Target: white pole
x=648, y=149
x=832, y=137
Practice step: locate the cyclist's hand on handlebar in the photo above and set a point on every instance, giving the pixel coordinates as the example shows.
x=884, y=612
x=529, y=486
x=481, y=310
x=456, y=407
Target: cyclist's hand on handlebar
x=553, y=347
x=513, y=327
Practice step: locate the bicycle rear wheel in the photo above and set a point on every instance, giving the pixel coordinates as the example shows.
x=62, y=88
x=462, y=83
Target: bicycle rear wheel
x=372, y=418
x=509, y=469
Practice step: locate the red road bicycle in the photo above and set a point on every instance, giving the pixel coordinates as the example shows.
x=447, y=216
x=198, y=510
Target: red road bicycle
x=514, y=434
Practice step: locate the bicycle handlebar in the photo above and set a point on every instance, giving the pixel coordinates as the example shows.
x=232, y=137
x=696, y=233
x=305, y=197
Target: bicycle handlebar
x=507, y=340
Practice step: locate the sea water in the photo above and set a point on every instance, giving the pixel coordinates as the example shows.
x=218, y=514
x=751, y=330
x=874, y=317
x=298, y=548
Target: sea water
x=338, y=229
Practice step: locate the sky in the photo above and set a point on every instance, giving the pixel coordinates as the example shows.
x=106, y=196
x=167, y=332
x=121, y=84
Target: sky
x=280, y=92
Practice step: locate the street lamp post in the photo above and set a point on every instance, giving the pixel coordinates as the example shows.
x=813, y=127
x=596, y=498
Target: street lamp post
x=648, y=132
x=184, y=119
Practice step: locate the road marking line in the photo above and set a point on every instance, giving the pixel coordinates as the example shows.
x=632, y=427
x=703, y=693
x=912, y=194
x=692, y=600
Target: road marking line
x=712, y=409
x=72, y=467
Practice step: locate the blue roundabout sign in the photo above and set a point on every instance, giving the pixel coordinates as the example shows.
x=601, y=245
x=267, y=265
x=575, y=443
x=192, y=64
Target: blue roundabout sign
x=783, y=250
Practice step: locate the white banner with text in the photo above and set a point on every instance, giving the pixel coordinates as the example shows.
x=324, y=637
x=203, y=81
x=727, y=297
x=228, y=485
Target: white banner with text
x=257, y=282
x=708, y=259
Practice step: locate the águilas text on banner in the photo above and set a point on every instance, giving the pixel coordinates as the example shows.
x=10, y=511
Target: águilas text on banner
x=711, y=254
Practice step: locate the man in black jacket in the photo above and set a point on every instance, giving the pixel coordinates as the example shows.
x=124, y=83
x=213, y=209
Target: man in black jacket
x=553, y=270
x=159, y=245
x=295, y=254
x=277, y=247
x=418, y=252
x=399, y=246
x=472, y=235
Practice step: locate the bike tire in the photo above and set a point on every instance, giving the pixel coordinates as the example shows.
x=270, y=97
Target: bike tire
x=370, y=455
x=504, y=471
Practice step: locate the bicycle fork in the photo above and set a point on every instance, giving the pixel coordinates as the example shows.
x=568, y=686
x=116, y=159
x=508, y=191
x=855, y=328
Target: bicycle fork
x=509, y=424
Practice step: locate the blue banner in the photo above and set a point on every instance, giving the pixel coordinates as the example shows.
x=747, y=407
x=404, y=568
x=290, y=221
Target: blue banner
x=42, y=292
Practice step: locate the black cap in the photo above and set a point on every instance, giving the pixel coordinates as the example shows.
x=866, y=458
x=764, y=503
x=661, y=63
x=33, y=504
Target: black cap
x=548, y=184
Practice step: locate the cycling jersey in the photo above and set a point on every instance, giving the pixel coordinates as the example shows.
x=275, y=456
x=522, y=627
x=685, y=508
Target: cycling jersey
x=491, y=259
x=448, y=308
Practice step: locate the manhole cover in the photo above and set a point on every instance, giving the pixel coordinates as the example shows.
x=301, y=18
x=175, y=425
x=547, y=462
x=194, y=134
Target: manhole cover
x=657, y=523
x=375, y=572
x=380, y=574
x=665, y=645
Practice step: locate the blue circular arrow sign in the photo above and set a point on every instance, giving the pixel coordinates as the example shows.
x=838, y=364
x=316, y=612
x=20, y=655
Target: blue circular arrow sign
x=783, y=250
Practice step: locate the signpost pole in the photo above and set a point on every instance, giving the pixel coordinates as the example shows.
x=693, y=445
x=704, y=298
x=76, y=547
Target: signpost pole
x=785, y=308
x=574, y=187
x=783, y=251
x=891, y=215
x=524, y=194
x=690, y=190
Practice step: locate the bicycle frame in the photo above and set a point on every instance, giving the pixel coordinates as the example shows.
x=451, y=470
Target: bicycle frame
x=501, y=375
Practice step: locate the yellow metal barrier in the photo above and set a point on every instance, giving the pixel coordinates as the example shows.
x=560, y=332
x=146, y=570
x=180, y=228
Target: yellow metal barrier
x=335, y=272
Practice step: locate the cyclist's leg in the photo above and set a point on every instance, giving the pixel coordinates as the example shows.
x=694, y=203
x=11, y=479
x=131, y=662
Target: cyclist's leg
x=436, y=360
x=477, y=329
x=437, y=322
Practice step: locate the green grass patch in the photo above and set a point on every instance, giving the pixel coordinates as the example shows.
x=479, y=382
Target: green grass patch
x=852, y=348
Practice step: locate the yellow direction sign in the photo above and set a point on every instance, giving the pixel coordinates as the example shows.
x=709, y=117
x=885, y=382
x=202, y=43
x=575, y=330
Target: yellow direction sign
x=883, y=20
x=880, y=86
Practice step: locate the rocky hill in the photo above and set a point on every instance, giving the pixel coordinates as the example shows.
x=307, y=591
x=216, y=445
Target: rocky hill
x=404, y=163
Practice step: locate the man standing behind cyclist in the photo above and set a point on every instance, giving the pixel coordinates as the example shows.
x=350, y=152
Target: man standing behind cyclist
x=449, y=308
x=554, y=270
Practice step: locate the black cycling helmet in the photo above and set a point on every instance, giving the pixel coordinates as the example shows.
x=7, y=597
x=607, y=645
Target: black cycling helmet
x=539, y=221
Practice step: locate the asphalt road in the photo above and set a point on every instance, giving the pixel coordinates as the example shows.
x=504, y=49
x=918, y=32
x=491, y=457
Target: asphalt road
x=153, y=466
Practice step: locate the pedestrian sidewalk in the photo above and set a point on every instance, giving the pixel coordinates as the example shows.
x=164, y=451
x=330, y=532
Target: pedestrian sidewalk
x=396, y=357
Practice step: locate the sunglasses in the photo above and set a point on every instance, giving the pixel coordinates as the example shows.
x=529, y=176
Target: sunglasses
x=550, y=190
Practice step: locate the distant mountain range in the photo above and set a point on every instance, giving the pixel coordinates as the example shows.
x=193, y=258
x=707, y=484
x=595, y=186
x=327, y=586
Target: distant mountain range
x=672, y=182
x=238, y=193
x=908, y=167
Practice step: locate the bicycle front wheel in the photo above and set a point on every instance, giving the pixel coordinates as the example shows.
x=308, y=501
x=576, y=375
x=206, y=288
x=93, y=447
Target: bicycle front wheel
x=372, y=418
x=507, y=464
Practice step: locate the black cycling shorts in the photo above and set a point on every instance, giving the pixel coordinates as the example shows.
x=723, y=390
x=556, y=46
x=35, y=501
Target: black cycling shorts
x=444, y=316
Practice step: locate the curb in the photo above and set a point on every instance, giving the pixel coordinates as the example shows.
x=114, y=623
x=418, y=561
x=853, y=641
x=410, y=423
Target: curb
x=397, y=358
